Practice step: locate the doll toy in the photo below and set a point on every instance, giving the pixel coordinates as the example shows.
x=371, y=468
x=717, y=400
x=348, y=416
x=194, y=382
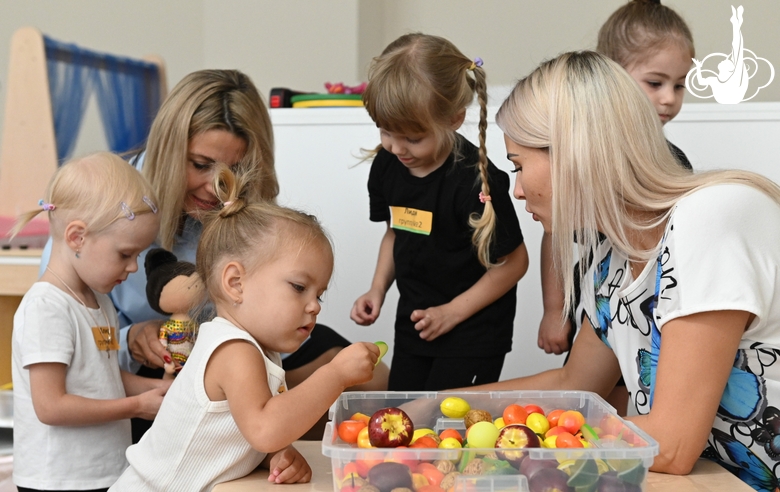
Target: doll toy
x=173, y=288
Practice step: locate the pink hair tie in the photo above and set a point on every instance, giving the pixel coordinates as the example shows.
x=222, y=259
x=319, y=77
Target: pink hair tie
x=47, y=207
x=228, y=203
x=484, y=198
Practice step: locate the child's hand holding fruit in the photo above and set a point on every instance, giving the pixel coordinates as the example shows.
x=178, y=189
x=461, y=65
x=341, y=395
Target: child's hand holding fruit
x=355, y=363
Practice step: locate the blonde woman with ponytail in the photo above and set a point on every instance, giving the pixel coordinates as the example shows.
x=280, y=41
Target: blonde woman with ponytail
x=453, y=242
x=679, y=272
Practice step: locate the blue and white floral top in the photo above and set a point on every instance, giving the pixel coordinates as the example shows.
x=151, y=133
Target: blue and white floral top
x=720, y=251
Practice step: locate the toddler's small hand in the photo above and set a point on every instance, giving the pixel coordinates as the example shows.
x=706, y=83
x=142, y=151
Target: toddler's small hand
x=355, y=363
x=289, y=466
x=366, y=309
x=433, y=322
x=150, y=401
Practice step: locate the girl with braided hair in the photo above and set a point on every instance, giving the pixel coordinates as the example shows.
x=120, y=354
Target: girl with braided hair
x=453, y=242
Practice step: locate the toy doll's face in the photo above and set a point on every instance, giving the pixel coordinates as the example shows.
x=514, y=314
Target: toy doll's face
x=180, y=294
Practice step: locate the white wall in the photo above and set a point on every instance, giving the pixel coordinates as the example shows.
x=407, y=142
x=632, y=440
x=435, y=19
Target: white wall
x=318, y=154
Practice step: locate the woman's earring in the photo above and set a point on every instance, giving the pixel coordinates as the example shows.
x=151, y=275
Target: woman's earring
x=77, y=253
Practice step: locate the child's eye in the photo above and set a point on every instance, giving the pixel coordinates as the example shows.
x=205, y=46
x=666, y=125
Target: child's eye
x=654, y=84
x=298, y=287
x=124, y=256
x=679, y=87
x=413, y=140
x=517, y=169
x=319, y=299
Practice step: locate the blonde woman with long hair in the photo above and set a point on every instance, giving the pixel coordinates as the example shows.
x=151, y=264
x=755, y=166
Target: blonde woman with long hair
x=679, y=272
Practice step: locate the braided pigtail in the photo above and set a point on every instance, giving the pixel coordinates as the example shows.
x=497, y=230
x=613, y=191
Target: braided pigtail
x=484, y=225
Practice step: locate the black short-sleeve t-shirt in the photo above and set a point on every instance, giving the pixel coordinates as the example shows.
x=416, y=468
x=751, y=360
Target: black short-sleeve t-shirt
x=435, y=260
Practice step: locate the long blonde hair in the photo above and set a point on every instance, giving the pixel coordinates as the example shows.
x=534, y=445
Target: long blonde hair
x=98, y=189
x=202, y=101
x=611, y=169
x=420, y=84
x=249, y=231
x=641, y=28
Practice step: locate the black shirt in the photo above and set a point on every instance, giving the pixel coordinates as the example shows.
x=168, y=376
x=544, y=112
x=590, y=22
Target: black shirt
x=434, y=266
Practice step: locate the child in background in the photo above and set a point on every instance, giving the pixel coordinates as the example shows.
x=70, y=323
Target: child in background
x=265, y=269
x=72, y=404
x=655, y=46
x=453, y=241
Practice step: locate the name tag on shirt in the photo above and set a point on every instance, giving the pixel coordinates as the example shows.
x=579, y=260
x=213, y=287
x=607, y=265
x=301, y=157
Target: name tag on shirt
x=105, y=338
x=412, y=220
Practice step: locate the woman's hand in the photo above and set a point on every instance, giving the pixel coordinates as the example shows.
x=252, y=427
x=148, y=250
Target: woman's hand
x=144, y=345
x=288, y=466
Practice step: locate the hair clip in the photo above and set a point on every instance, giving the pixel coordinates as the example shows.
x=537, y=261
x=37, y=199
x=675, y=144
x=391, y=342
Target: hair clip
x=128, y=213
x=151, y=204
x=47, y=207
x=484, y=198
x=476, y=63
x=227, y=203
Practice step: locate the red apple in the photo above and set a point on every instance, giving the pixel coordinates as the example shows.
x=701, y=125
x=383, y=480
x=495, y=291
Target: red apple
x=389, y=428
x=515, y=436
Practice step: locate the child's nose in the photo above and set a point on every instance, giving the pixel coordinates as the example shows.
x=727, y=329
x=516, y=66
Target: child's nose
x=668, y=96
x=314, y=307
x=133, y=266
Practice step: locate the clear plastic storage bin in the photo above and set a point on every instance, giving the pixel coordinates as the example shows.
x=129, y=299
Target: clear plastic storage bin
x=617, y=460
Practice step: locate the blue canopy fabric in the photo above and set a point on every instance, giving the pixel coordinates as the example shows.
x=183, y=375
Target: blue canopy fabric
x=127, y=93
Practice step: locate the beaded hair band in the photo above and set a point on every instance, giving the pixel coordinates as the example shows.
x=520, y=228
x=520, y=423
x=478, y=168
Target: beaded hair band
x=47, y=207
x=476, y=63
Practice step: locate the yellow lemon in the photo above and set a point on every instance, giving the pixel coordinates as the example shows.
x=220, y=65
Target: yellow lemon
x=499, y=423
x=418, y=433
x=538, y=423
x=450, y=443
x=454, y=407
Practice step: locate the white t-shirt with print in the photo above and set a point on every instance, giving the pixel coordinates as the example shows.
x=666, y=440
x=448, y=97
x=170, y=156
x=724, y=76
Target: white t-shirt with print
x=52, y=326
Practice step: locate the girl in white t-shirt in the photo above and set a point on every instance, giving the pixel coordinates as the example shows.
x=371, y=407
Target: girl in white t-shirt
x=72, y=404
x=265, y=268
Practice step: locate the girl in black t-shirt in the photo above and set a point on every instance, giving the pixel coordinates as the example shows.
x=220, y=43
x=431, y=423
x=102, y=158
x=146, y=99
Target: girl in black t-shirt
x=453, y=243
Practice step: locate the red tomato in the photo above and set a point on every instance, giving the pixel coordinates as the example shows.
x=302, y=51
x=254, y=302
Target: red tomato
x=515, y=414
x=451, y=433
x=429, y=471
x=571, y=420
x=349, y=429
x=567, y=440
x=553, y=417
x=533, y=409
x=425, y=442
x=554, y=431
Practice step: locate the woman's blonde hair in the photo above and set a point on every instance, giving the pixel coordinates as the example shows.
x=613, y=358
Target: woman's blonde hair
x=421, y=84
x=249, y=231
x=640, y=29
x=611, y=169
x=206, y=100
x=98, y=189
